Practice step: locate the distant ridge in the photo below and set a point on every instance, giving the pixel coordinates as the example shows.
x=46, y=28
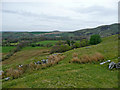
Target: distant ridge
x=103, y=31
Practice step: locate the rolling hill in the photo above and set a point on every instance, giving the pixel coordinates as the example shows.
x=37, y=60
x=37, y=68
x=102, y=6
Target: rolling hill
x=103, y=31
x=70, y=75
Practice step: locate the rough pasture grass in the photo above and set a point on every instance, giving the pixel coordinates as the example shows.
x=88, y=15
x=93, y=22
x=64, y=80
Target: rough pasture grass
x=108, y=48
x=6, y=49
x=71, y=75
x=67, y=76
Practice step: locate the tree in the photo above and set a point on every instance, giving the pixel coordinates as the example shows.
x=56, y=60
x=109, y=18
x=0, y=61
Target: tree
x=68, y=42
x=95, y=39
x=76, y=45
x=84, y=43
x=60, y=48
x=72, y=42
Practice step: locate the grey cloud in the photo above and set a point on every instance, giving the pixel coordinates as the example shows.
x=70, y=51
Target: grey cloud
x=42, y=15
x=96, y=9
x=20, y=13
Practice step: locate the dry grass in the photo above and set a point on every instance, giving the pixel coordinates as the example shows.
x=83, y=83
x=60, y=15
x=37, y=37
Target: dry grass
x=54, y=59
x=9, y=72
x=99, y=56
x=13, y=73
x=44, y=66
x=32, y=66
x=16, y=73
x=87, y=58
x=38, y=67
x=76, y=60
x=3, y=75
x=75, y=55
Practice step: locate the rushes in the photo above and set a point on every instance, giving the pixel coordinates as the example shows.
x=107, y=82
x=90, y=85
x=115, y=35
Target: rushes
x=99, y=56
x=75, y=55
x=87, y=58
x=32, y=66
x=54, y=59
x=76, y=60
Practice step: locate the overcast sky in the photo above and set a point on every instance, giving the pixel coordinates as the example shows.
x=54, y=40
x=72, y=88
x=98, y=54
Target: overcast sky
x=62, y=15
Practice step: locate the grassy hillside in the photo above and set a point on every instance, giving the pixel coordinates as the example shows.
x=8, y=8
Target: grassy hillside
x=104, y=30
x=69, y=75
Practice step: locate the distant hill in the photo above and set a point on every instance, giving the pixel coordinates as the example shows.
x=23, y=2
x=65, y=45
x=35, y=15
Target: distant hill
x=56, y=31
x=103, y=31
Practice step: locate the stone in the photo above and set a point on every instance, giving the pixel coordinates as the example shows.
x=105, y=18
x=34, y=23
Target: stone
x=112, y=65
x=43, y=61
x=54, y=54
x=1, y=72
x=46, y=60
x=118, y=57
x=118, y=65
x=105, y=62
x=108, y=61
x=105, y=50
x=102, y=63
x=20, y=65
x=88, y=47
x=38, y=62
x=6, y=79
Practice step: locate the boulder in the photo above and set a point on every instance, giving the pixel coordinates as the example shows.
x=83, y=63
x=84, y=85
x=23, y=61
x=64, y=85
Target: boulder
x=20, y=65
x=118, y=65
x=43, y=61
x=105, y=62
x=46, y=60
x=38, y=62
x=54, y=54
x=112, y=65
x=6, y=79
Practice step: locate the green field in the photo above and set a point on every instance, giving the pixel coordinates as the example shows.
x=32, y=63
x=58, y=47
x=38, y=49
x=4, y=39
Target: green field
x=14, y=43
x=70, y=75
x=31, y=48
x=47, y=42
x=6, y=49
